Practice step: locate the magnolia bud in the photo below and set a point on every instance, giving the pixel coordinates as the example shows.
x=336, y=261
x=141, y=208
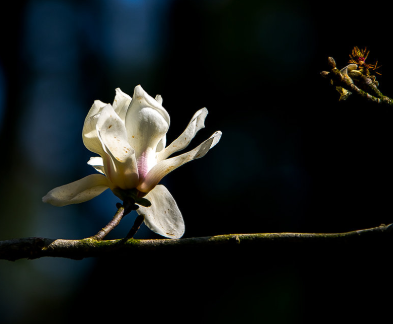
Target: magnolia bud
x=332, y=62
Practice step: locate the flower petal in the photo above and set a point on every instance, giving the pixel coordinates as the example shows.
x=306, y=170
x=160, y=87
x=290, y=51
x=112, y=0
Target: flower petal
x=163, y=217
x=197, y=122
x=97, y=163
x=121, y=103
x=119, y=157
x=89, y=133
x=146, y=122
x=164, y=167
x=78, y=191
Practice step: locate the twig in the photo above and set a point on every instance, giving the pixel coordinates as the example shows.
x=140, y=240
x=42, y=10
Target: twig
x=346, y=79
x=36, y=247
x=138, y=222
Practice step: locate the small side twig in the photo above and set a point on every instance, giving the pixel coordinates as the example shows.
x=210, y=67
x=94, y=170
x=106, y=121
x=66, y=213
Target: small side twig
x=138, y=222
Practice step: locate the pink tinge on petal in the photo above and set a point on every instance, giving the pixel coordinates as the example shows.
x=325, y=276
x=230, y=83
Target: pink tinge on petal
x=145, y=162
x=142, y=166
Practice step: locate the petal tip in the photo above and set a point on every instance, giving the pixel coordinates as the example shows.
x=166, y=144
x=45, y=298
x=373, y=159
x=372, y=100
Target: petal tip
x=48, y=199
x=201, y=113
x=122, y=93
x=138, y=91
x=174, y=236
x=99, y=103
x=216, y=138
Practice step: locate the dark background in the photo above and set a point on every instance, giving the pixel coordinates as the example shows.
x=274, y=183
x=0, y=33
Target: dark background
x=292, y=157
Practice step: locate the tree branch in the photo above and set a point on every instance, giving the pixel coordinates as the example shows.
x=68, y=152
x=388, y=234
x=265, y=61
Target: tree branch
x=37, y=247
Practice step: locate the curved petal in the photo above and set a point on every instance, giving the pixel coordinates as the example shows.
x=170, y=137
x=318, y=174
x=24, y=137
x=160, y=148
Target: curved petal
x=121, y=103
x=164, y=167
x=197, y=123
x=97, y=163
x=78, y=191
x=119, y=158
x=89, y=133
x=163, y=216
x=146, y=122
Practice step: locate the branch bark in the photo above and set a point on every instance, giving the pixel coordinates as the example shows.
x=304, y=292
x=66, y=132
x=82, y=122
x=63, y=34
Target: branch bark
x=37, y=247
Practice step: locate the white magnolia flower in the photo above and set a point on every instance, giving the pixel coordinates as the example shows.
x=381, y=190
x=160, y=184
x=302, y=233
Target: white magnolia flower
x=130, y=137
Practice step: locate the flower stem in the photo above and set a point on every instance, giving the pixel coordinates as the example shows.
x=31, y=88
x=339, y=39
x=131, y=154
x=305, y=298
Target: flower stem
x=123, y=210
